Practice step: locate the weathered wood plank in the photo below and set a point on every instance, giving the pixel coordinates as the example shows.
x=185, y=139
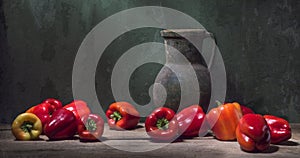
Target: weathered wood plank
x=138, y=140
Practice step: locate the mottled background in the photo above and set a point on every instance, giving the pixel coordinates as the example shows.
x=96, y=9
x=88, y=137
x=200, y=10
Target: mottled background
x=258, y=39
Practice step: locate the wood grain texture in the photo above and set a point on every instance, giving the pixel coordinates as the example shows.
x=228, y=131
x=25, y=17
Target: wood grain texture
x=197, y=147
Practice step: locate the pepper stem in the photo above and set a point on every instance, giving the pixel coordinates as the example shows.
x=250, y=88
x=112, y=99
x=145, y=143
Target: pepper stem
x=162, y=124
x=218, y=103
x=116, y=116
x=27, y=126
x=91, y=125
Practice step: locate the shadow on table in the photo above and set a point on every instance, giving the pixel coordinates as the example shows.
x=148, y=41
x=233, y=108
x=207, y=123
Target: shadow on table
x=289, y=143
x=123, y=138
x=178, y=140
x=102, y=139
x=33, y=140
x=56, y=140
x=271, y=149
x=275, y=148
x=139, y=126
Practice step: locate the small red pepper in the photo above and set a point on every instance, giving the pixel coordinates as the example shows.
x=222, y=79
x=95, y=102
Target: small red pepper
x=91, y=127
x=253, y=133
x=280, y=129
x=62, y=125
x=162, y=124
x=190, y=121
x=122, y=115
x=246, y=110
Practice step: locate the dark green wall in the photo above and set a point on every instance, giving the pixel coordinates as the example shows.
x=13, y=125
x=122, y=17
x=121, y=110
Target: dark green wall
x=259, y=41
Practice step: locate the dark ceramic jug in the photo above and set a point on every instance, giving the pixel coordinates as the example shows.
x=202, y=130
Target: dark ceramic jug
x=182, y=61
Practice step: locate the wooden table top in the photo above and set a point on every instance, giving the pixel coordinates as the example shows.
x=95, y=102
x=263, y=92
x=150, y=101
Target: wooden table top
x=136, y=143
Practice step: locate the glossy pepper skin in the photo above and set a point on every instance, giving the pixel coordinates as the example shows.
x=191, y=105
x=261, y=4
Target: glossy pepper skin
x=44, y=110
x=62, y=125
x=55, y=103
x=91, y=127
x=162, y=125
x=122, y=115
x=280, y=129
x=26, y=126
x=253, y=133
x=79, y=109
x=190, y=121
x=224, y=119
x=246, y=110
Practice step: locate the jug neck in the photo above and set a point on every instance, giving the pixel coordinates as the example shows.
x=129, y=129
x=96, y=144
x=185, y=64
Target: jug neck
x=176, y=40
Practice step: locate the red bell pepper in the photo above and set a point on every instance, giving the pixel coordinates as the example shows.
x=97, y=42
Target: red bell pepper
x=253, y=133
x=62, y=125
x=162, y=124
x=56, y=104
x=190, y=121
x=44, y=110
x=79, y=109
x=246, y=110
x=280, y=129
x=122, y=115
x=91, y=127
x=224, y=119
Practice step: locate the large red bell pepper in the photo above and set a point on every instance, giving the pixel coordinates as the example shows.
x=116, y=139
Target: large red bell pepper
x=62, y=125
x=91, y=127
x=122, y=115
x=56, y=104
x=79, y=109
x=246, y=110
x=280, y=129
x=162, y=125
x=44, y=110
x=224, y=119
x=253, y=133
x=190, y=121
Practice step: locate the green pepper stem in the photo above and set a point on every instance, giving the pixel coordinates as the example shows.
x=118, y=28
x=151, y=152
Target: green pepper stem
x=27, y=126
x=91, y=125
x=162, y=123
x=116, y=116
x=218, y=103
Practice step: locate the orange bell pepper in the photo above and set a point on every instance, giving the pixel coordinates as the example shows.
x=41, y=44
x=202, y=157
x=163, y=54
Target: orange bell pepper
x=224, y=119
